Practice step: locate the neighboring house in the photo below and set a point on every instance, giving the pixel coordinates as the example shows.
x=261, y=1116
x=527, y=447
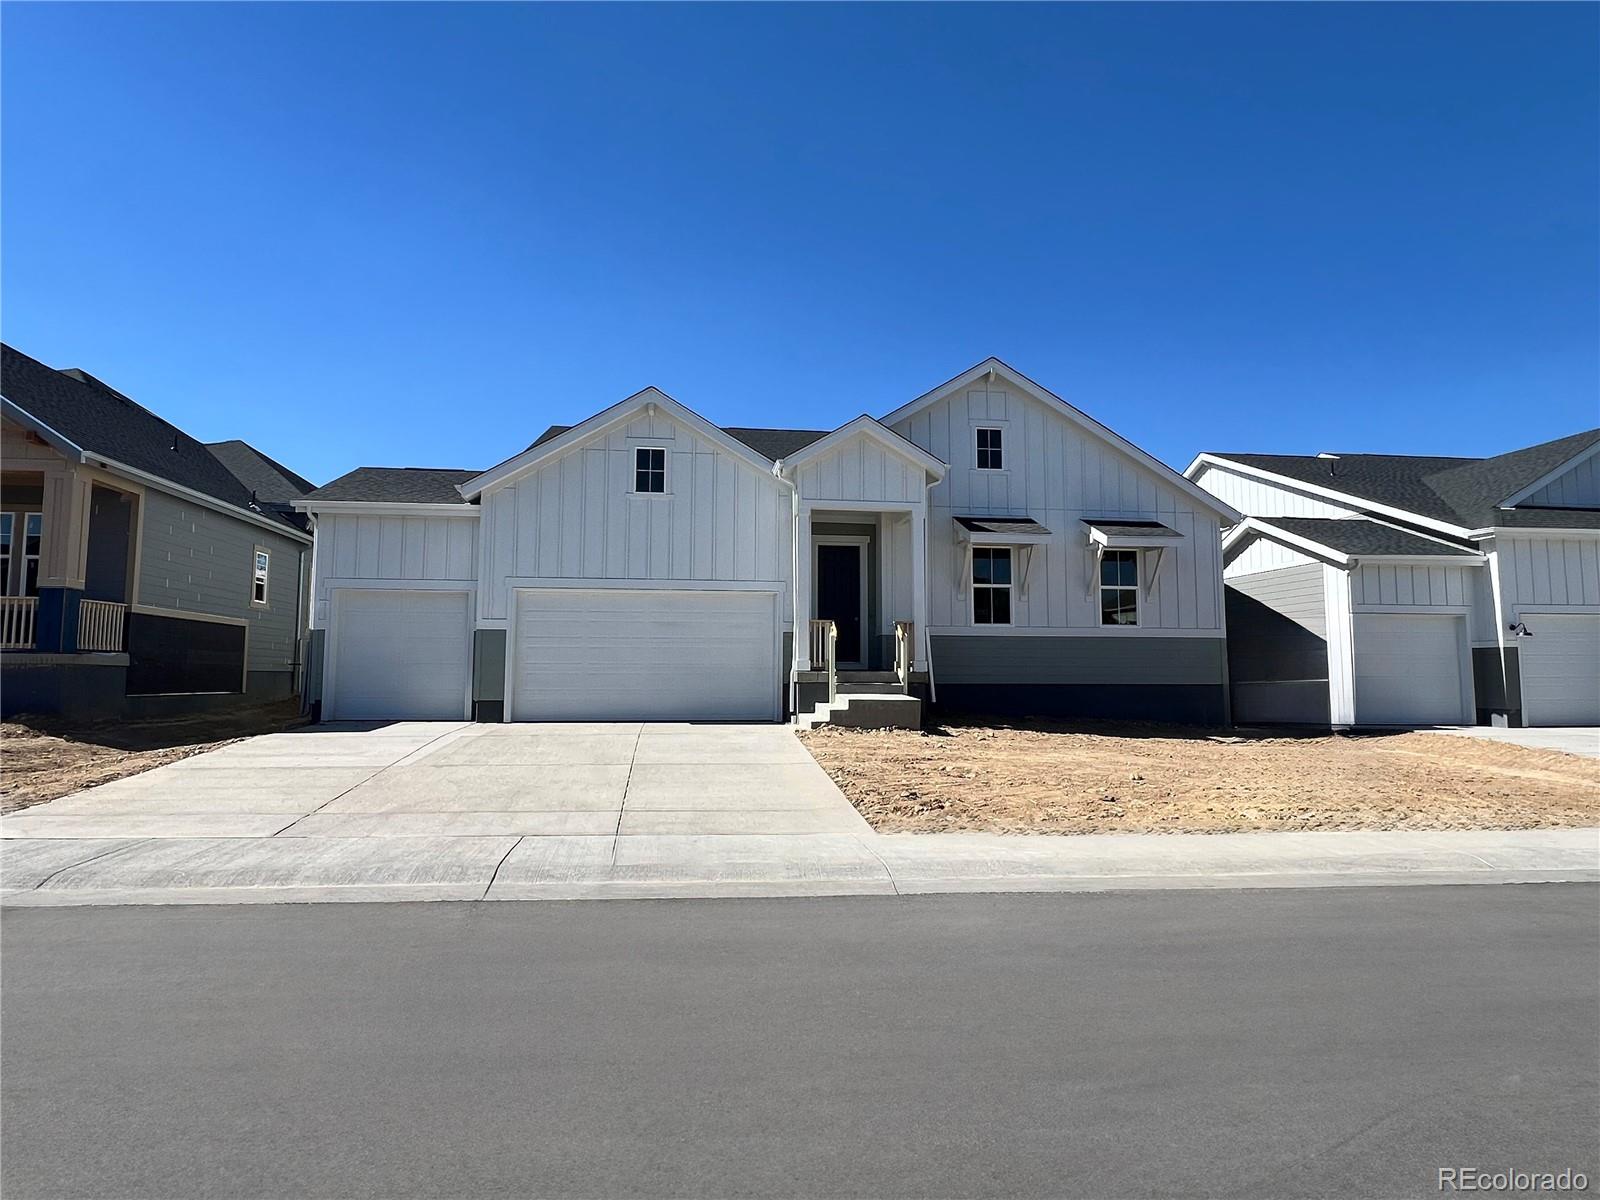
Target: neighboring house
x=144, y=572
x=1379, y=589
x=986, y=545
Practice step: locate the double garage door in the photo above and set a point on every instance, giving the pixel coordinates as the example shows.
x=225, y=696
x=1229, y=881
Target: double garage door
x=613, y=655
x=1410, y=669
x=602, y=655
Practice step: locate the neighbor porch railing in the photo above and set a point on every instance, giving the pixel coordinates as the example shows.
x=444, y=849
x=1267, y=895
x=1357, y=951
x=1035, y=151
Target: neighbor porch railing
x=903, y=644
x=17, y=617
x=824, y=656
x=101, y=624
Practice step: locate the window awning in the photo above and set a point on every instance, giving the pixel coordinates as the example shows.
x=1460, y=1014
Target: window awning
x=1001, y=531
x=1149, y=538
x=1132, y=535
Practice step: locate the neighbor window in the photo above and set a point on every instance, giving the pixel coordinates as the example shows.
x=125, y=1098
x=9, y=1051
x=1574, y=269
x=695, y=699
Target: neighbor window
x=991, y=585
x=990, y=454
x=258, y=579
x=1119, y=587
x=649, y=469
x=7, y=521
x=32, y=539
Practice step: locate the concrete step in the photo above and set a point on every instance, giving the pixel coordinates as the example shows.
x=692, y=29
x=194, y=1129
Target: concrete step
x=890, y=687
x=866, y=710
x=867, y=677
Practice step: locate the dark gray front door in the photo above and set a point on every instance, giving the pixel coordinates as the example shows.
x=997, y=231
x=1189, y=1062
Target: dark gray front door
x=839, y=596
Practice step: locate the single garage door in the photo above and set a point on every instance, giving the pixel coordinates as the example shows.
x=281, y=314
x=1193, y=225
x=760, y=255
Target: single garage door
x=644, y=655
x=1560, y=669
x=1408, y=669
x=399, y=655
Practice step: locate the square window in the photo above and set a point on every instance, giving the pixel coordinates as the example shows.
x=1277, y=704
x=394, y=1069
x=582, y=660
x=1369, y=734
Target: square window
x=990, y=451
x=650, y=469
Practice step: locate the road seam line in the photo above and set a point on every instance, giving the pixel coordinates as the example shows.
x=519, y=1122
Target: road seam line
x=92, y=858
x=627, y=783
x=496, y=873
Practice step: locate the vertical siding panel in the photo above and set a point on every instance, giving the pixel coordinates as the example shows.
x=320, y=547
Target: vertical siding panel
x=411, y=541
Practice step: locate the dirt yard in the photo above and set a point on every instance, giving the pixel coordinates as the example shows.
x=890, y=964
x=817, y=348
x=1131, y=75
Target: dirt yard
x=1038, y=777
x=44, y=758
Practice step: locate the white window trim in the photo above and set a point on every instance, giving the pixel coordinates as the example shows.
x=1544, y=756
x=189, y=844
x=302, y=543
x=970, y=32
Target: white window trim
x=995, y=427
x=973, y=585
x=666, y=482
x=1136, y=587
x=20, y=555
x=265, y=576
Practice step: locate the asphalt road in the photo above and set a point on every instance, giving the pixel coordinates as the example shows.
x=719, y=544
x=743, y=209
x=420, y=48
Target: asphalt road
x=1276, y=1044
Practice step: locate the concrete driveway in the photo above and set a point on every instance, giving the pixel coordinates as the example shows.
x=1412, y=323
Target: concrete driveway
x=1573, y=739
x=454, y=779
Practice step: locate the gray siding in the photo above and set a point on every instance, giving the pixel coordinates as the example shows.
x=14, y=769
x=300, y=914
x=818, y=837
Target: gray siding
x=195, y=559
x=1277, y=647
x=977, y=661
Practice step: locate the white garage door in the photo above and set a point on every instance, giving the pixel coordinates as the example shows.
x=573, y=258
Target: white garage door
x=646, y=655
x=1560, y=669
x=399, y=654
x=1408, y=670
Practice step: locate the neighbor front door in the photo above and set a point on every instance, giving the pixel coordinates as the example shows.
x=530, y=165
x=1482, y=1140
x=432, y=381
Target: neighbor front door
x=839, y=598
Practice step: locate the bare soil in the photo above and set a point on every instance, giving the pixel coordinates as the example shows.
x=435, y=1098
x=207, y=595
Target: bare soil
x=44, y=757
x=1100, y=777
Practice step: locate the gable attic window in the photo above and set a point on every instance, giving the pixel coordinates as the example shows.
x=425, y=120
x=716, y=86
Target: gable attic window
x=650, y=469
x=991, y=454
x=258, y=578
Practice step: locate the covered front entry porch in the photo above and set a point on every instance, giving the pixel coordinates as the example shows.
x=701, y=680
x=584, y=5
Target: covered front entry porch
x=860, y=576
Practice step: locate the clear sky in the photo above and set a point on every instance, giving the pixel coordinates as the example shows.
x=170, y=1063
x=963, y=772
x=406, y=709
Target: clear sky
x=416, y=235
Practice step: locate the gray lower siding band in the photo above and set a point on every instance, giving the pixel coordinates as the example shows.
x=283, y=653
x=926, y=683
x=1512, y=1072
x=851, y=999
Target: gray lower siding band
x=1281, y=702
x=1116, y=678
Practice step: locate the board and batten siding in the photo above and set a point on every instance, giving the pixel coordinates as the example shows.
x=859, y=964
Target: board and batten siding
x=1542, y=571
x=576, y=517
x=355, y=549
x=1058, y=474
x=195, y=559
x=1578, y=488
x=1262, y=498
x=861, y=469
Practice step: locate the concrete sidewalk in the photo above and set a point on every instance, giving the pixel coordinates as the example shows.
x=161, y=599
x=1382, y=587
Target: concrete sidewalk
x=281, y=869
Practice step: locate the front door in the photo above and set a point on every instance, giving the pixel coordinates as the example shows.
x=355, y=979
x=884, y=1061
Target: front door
x=839, y=595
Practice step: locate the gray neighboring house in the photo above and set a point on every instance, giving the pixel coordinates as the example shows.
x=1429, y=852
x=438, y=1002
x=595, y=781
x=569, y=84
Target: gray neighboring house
x=1381, y=589
x=142, y=572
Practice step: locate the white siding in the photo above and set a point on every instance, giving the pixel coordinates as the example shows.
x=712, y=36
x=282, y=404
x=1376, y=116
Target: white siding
x=1264, y=554
x=1057, y=473
x=1401, y=586
x=861, y=469
x=383, y=549
x=1548, y=572
x=1259, y=498
x=1578, y=488
x=576, y=517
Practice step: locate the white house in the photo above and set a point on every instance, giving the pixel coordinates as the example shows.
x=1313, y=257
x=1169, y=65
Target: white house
x=1388, y=589
x=986, y=545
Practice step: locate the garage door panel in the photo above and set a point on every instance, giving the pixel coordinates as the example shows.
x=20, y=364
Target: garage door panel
x=1560, y=666
x=657, y=655
x=1408, y=669
x=399, y=654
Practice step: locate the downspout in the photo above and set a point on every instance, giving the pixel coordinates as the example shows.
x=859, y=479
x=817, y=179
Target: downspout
x=780, y=472
x=927, y=563
x=1493, y=556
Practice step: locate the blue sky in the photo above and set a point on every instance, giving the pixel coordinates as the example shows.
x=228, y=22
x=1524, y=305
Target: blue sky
x=418, y=235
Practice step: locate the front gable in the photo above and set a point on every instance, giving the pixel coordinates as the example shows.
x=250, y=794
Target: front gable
x=1575, y=486
x=863, y=461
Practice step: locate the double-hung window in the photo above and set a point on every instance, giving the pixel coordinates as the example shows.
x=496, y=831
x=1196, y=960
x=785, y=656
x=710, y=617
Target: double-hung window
x=258, y=577
x=991, y=454
x=649, y=469
x=991, y=585
x=1119, y=587
x=8, y=522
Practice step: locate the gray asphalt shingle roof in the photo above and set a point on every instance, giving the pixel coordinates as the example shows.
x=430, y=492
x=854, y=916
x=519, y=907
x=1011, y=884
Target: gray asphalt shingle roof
x=1002, y=525
x=1458, y=491
x=1359, y=536
x=396, y=485
x=274, y=486
x=103, y=422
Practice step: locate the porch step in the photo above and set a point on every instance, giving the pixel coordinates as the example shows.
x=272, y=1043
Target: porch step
x=865, y=710
x=869, y=683
x=867, y=677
